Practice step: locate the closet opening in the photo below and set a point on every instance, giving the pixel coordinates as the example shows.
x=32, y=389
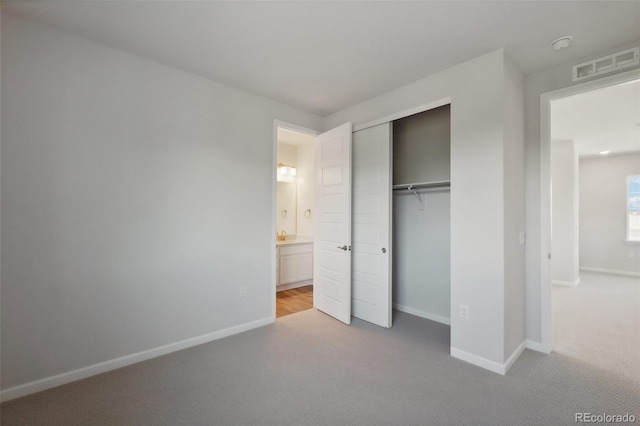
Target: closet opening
x=421, y=277
x=295, y=182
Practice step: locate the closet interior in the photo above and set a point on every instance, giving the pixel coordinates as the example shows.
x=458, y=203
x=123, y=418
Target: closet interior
x=421, y=214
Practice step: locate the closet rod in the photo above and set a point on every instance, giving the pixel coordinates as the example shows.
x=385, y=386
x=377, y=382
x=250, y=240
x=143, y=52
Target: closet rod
x=412, y=186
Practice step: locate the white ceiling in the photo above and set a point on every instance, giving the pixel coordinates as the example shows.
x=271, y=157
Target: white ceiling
x=325, y=56
x=601, y=120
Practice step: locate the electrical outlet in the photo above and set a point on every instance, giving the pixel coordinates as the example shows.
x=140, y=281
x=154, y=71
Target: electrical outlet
x=243, y=291
x=464, y=311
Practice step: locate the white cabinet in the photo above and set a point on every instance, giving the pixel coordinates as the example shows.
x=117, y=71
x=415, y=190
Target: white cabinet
x=295, y=265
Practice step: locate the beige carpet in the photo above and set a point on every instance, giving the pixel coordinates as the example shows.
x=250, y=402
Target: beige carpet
x=309, y=369
x=598, y=322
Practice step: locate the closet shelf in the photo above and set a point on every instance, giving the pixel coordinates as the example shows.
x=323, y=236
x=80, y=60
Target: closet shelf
x=412, y=186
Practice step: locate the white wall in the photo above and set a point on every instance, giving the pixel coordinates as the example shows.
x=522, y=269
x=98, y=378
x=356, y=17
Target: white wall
x=305, y=181
x=286, y=206
x=477, y=91
x=564, y=213
x=123, y=186
x=603, y=210
x=536, y=84
x=514, y=209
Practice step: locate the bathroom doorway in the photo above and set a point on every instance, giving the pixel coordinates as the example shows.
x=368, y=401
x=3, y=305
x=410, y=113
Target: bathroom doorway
x=294, y=219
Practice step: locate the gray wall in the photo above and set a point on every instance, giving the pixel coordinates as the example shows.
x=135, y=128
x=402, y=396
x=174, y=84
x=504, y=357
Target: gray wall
x=603, y=210
x=136, y=198
x=536, y=84
x=422, y=147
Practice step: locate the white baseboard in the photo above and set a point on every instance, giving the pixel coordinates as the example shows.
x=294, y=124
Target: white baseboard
x=537, y=346
x=92, y=370
x=514, y=356
x=293, y=285
x=566, y=283
x=610, y=271
x=478, y=361
x=422, y=314
x=487, y=364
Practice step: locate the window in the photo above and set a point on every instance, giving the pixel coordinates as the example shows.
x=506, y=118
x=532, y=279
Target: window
x=633, y=208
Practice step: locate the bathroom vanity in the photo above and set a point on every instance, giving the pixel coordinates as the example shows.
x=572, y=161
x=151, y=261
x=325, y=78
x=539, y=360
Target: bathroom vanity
x=294, y=264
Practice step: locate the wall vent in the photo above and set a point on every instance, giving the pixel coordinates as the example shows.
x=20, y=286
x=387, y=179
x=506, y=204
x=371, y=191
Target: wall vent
x=607, y=64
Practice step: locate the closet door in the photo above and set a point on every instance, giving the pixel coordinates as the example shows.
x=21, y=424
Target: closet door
x=371, y=262
x=332, y=240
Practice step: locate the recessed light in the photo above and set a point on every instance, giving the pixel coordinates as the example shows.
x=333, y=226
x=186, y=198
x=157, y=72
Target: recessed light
x=561, y=42
x=604, y=152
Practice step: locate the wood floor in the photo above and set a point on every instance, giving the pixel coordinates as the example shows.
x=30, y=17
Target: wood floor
x=294, y=300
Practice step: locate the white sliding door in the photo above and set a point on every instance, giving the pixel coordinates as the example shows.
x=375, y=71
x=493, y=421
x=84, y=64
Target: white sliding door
x=371, y=264
x=332, y=240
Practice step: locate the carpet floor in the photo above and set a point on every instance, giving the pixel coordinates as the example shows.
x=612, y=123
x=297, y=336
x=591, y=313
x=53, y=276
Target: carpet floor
x=598, y=322
x=309, y=369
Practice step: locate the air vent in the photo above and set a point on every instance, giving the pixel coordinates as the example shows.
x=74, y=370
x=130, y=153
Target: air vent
x=607, y=64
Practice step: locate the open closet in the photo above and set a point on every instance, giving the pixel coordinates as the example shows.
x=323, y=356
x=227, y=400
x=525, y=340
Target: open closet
x=421, y=214
x=401, y=218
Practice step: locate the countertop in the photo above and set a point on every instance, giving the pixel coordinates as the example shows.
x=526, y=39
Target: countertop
x=296, y=240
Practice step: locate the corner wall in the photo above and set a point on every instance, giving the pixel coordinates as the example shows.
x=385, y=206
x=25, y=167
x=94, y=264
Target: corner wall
x=564, y=215
x=514, y=212
x=124, y=182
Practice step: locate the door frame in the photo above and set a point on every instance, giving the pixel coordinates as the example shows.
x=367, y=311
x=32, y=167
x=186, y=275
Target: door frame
x=546, y=314
x=278, y=124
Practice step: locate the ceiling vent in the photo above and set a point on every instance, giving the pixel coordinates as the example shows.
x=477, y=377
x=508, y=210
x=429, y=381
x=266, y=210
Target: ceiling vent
x=606, y=64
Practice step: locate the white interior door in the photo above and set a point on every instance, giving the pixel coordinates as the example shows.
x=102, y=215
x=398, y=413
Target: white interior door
x=332, y=239
x=372, y=186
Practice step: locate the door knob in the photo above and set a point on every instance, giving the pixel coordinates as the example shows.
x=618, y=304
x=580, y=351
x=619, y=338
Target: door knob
x=344, y=247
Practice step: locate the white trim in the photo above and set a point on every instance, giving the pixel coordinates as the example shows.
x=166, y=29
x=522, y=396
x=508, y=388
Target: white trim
x=537, y=346
x=478, y=361
x=546, y=325
x=610, y=271
x=514, y=356
x=492, y=366
x=294, y=128
x=297, y=284
x=422, y=314
x=566, y=283
x=103, y=367
x=403, y=114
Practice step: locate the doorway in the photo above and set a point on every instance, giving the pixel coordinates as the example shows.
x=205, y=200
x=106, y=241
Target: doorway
x=294, y=219
x=584, y=200
x=595, y=157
